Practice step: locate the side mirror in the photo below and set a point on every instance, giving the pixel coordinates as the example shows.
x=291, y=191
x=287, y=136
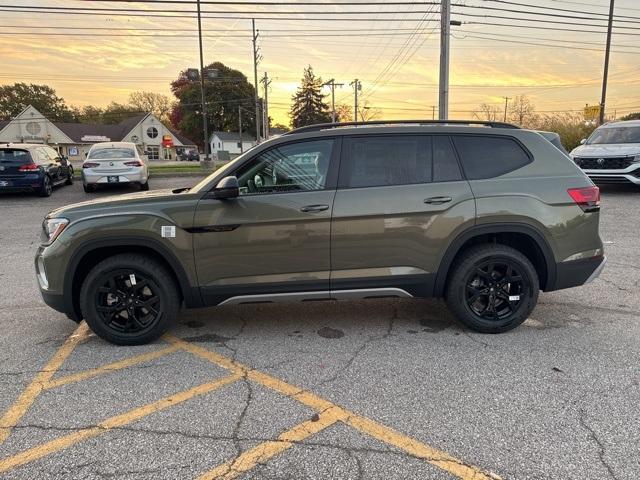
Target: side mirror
x=583, y=141
x=226, y=188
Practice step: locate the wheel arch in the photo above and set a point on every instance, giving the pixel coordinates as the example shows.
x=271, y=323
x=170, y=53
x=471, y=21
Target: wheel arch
x=524, y=238
x=92, y=253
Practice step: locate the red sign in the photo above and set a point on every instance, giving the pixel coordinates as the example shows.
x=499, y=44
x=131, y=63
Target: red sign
x=167, y=141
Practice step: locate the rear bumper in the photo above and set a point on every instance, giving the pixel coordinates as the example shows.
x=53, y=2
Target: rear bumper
x=578, y=272
x=91, y=178
x=28, y=184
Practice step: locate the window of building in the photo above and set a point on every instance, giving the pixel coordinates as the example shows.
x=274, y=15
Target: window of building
x=152, y=132
x=484, y=156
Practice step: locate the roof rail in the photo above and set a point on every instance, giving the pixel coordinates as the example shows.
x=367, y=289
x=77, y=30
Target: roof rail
x=326, y=126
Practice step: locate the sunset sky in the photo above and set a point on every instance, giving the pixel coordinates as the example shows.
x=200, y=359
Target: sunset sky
x=93, y=60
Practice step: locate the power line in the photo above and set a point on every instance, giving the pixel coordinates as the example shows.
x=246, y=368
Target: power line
x=556, y=9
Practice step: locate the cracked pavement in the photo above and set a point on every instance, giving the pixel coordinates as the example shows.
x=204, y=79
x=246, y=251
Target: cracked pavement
x=555, y=399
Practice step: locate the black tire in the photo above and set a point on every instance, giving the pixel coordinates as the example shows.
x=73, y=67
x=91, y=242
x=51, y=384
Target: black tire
x=70, y=177
x=47, y=187
x=122, y=312
x=88, y=188
x=481, y=291
x=144, y=186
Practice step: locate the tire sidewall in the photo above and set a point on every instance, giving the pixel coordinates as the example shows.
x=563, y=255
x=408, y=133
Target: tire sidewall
x=166, y=292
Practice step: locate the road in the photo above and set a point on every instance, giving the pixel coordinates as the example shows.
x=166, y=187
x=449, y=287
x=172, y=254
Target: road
x=378, y=389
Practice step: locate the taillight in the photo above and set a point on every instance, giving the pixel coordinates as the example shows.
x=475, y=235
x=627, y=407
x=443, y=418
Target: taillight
x=90, y=165
x=29, y=167
x=587, y=198
x=134, y=163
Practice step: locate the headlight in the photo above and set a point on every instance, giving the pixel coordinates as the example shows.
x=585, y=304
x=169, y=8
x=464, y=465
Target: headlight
x=53, y=227
x=636, y=158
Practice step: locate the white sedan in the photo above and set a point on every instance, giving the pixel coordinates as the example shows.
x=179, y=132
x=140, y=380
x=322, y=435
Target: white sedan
x=113, y=163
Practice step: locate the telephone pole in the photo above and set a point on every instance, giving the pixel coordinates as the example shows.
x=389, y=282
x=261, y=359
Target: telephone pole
x=445, y=18
x=332, y=83
x=357, y=86
x=606, y=64
x=433, y=112
x=265, y=110
x=506, y=101
x=255, y=76
x=203, y=105
x=240, y=128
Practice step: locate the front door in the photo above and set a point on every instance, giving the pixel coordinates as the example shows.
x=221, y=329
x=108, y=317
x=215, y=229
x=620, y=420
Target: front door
x=273, y=238
x=399, y=199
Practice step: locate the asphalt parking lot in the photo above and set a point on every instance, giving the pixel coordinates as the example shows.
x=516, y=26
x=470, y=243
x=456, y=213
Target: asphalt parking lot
x=384, y=389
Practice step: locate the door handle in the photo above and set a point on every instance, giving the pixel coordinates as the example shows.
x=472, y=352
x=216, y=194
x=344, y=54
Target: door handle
x=314, y=208
x=437, y=200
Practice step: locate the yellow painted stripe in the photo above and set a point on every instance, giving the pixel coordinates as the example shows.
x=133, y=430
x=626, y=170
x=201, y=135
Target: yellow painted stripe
x=418, y=449
x=129, y=362
x=13, y=415
x=392, y=437
x=267, y=450
x=121, y=420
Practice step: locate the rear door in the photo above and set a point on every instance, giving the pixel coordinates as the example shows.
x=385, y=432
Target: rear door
x=400, y=200
x=273, y=238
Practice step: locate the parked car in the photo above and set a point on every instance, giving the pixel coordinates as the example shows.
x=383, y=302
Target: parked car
x=611, y=154
x=189, y=155
x=110, y=163
x=483, y=215
x=33, y=168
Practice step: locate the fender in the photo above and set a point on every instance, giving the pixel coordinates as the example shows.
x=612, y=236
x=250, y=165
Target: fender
x=190, y=293
x=477, y=230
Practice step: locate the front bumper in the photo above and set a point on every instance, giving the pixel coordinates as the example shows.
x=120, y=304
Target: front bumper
x=53, y=298
x=630, y=174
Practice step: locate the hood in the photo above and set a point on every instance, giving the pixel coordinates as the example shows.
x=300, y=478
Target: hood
x=119, y=203
x=607, y=150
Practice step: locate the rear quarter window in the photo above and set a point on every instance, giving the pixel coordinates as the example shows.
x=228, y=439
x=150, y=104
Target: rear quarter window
x=484, y=156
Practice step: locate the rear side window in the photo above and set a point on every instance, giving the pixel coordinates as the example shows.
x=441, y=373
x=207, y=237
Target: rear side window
x=14, y=156
x=445, y=164
x=377, y=161
x=488, y=157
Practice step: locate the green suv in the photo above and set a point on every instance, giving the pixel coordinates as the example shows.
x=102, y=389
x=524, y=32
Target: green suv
x=483, y=214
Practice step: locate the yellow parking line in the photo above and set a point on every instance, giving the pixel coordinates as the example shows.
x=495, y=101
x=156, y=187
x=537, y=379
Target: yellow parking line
x=129, y=362
x=432, y=455
x=13, y=415
x=121, y=420
x=267, y=450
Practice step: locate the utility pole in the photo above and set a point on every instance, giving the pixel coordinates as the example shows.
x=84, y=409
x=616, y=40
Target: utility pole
x=506, y=101
x=255, y=76
x=265, y=109
x=357, y=86
x=203, y=105
x=433, y=112
x=332, y=83
x=240, y=128
x=606, y=64
x=443, y=100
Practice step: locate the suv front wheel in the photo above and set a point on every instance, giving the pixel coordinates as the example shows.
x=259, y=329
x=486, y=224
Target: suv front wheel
x=129, y=299
x=492, y=288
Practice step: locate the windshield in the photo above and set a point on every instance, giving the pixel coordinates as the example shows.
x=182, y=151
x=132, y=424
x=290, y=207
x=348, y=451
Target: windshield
x=615, y=135
x=111, y=153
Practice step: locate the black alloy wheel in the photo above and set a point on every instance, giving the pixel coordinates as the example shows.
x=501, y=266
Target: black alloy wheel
x=495, y=289
x=46, y=189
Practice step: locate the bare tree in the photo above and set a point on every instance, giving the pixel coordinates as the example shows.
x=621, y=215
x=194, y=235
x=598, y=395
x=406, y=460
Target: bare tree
x=490, y=113
x=522, y=111
x=367, y=112
x=157, y=103
x=344, y=113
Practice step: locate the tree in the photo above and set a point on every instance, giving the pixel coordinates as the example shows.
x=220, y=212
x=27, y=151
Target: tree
x=15, y=98
x=344, y=113
x=223, y=95
x=308, y=102
x=89, y=114
x=118, y=112
x=522, y=111
x=156, y=103
x=367, y=112
x=570, y=126
x=631, y=116
x=490, y=113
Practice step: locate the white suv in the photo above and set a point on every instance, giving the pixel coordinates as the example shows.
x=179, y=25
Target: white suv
x=612, y=153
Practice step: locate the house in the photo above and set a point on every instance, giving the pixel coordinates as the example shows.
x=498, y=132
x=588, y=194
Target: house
x=230, y=142
x=75, y=139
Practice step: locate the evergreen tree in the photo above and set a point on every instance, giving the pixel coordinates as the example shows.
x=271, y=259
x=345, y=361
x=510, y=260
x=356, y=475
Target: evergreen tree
x=308, y=102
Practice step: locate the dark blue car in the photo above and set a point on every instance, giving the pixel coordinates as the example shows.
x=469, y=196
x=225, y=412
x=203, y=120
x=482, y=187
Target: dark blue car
x=32, y=168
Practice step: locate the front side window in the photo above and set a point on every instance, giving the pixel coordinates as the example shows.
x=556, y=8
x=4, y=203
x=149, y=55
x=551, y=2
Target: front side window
x=288, y=168
x=484, y=156
x=111, y=153
x=615, y=135
x=376, y=161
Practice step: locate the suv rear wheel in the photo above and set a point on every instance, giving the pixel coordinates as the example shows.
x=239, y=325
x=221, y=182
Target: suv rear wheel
x=493, y=288
x=129, y=299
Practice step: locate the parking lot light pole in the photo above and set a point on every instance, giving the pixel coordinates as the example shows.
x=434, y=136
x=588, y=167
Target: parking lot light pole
x=203, y=104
